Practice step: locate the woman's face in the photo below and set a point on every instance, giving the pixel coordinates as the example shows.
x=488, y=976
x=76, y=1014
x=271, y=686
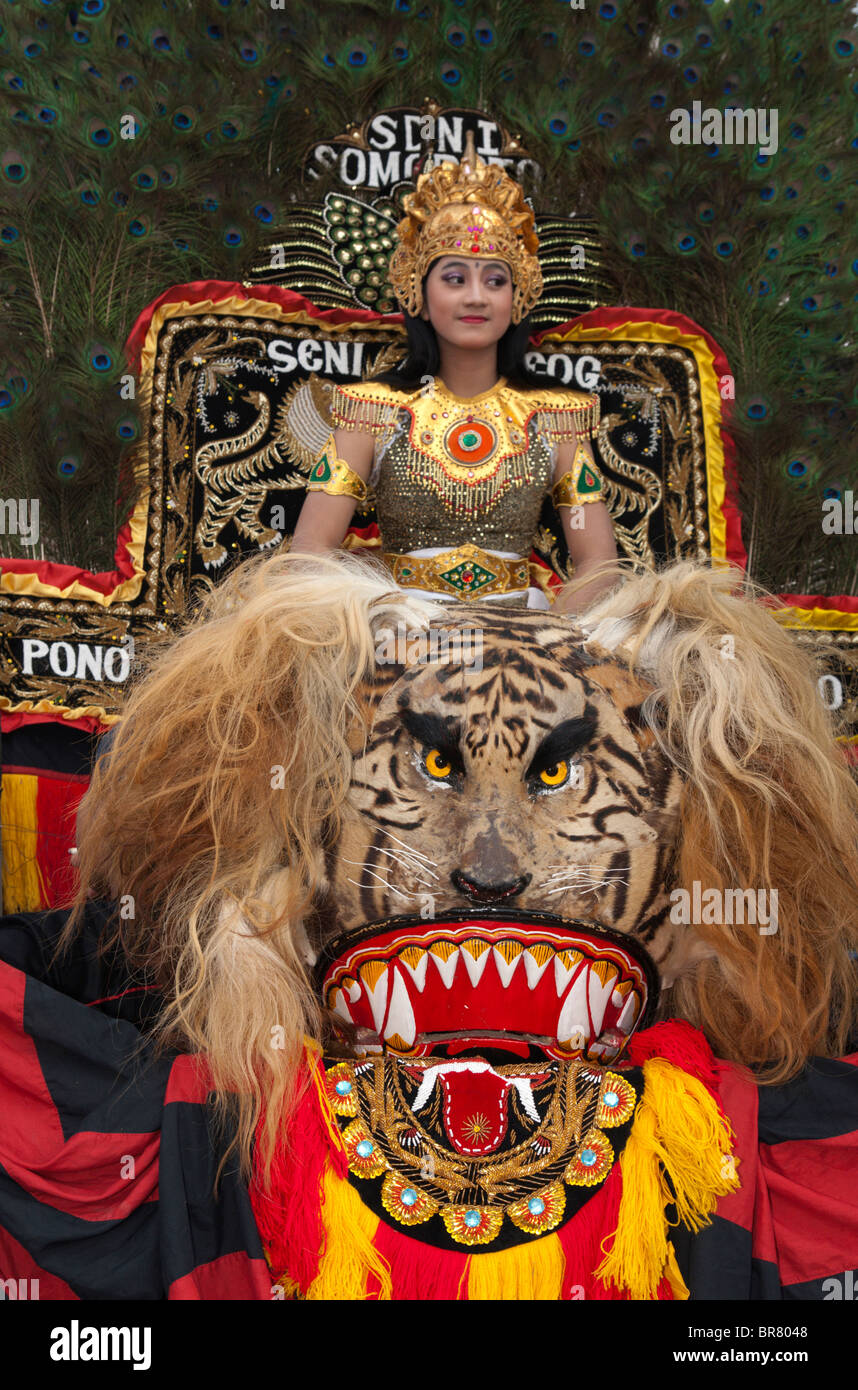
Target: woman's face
x=468, y=302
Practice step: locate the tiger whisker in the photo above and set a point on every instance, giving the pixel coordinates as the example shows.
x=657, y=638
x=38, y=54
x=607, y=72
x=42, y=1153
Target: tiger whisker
x=401, y=861
x=381, y=881
x=415, y=852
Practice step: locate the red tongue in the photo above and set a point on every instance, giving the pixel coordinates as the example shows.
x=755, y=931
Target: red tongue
x=475, y=1110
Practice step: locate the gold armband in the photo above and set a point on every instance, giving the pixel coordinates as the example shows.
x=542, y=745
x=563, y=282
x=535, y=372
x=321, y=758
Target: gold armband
x=583, y=483
x=332, y=474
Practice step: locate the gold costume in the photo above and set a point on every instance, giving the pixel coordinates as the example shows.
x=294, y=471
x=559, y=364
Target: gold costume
x=466, y=478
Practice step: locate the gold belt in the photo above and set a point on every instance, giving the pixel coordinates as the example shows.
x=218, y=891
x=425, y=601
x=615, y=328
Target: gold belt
x=463, y=572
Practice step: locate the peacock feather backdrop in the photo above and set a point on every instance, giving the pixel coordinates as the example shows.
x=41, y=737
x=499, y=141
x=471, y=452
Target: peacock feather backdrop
x=152, y=144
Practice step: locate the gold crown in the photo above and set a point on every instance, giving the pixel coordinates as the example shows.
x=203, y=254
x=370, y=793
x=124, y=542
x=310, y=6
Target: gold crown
x=470, y=209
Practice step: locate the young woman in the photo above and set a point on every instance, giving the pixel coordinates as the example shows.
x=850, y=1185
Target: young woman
x=458, y=447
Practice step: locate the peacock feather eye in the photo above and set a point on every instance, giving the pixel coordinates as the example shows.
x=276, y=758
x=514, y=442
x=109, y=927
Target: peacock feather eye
x=437, y=765
x=555, y=775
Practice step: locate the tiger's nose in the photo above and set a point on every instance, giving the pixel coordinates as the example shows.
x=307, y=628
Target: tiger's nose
x=488, y=892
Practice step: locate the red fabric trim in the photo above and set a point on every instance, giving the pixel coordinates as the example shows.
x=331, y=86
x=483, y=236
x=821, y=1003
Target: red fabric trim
x=814, y=1205
x=680, y=1043
x=553, y=581
x=582, y=1239
x=10, y=722
x=288, y=1211
x=49, y=773
x=57, y=800
x=287, y=300
x=81, y=1176
x=840, y=603
x=366, y=533
x=104, y=582
x=123, y=993
x=748, y=1207
x=16, y=1262
x=232, y=1276
x=417, y=1270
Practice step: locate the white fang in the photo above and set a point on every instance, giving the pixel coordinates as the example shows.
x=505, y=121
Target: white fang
x=400, y=1016
x=534, y=972
x=573, y=1015
x=505, y=969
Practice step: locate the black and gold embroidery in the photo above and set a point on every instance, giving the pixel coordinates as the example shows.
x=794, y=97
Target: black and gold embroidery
x=477, y=1153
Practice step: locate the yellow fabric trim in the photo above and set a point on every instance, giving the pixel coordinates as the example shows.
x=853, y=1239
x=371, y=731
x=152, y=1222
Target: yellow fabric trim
x=710, y=402
x=353, y=542
x=678, y=1130
x=64, y=711
x=831, y=619
x=124, y=592
x=24, y=888
x=524, y=1272
x=678, y=1285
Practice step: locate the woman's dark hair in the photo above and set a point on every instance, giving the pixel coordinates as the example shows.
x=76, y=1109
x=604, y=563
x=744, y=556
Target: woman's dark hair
x=423, y=357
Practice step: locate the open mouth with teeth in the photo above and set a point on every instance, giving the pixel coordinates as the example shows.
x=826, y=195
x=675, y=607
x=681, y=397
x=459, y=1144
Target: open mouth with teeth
x=496, y=979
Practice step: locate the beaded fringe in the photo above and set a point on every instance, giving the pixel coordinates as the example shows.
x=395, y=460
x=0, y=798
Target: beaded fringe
x=562, y=424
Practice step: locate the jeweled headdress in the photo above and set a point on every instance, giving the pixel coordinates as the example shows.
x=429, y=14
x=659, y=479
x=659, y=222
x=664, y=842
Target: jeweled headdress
x=470, y=209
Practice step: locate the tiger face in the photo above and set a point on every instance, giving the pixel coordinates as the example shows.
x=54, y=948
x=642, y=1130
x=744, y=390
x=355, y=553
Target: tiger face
x=524, y=779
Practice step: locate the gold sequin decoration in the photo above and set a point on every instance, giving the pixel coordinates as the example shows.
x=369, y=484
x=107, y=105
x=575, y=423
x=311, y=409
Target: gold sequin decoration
x=424, y=497
x=472, y=1225
x=541, y=1212
x=423, y=1174
x=616, y=1102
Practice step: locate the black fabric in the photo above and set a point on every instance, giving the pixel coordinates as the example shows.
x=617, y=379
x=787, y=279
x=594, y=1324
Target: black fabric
x=108, y=1090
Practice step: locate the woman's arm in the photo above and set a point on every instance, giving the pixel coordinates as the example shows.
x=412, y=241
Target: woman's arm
x=589, y=536
x=324, y=519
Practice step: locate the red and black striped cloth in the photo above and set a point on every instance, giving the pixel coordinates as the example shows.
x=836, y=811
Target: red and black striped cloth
x=108, y=1159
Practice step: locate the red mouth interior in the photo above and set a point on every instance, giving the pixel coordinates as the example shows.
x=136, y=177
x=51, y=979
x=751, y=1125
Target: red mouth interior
x=418, y=989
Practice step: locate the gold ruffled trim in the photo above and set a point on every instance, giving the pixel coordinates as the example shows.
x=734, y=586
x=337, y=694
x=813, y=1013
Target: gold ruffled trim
x=64, y=711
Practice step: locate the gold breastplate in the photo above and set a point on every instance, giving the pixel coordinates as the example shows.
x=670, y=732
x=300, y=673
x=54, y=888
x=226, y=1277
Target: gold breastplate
x=458, y=470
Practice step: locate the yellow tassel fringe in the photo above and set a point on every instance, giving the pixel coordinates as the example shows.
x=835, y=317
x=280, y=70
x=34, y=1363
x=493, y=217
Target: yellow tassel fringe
x=348, y=1257
x=525, y=1272
x=677, y=1130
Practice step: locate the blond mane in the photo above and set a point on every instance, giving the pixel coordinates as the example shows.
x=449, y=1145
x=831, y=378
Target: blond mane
x=210, y=816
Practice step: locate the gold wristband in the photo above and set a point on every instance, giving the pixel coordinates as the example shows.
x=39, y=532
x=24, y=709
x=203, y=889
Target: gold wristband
x=583, y=483
x=333, y=475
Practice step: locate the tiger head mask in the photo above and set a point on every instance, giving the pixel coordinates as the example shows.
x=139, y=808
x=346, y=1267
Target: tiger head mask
x=320, y=756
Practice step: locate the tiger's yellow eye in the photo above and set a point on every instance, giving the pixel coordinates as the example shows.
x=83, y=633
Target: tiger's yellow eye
x=553, y=776
x=437, y=765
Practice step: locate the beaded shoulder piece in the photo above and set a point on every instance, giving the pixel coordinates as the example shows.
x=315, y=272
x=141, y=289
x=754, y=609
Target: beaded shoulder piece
x=367, y=405
x=373, y=406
